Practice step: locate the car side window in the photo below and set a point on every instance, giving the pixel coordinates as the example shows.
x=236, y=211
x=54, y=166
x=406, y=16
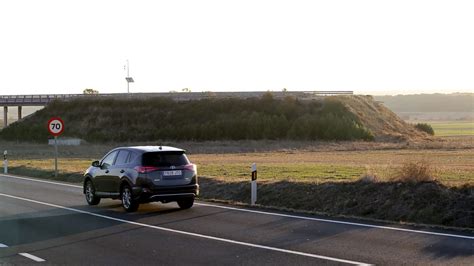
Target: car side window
x=132, y=157
x=122, y=157
x=108, y=160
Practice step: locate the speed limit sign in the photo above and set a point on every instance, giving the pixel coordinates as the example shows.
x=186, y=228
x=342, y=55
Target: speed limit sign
x=55, y=126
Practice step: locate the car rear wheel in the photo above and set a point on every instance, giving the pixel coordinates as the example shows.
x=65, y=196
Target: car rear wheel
x=91, y=198
x=185, y=203
x=128, y=202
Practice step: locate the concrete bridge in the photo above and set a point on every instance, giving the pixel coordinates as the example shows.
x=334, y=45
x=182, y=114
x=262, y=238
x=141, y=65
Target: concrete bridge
x=44, y=99
x=28, y=100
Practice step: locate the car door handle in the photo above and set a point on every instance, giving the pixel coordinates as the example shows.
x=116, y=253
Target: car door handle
x=122, y=171
x=106, y=171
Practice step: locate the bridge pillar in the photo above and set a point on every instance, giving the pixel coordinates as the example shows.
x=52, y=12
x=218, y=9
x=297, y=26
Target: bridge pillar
x=5, y=116
x=19, y=112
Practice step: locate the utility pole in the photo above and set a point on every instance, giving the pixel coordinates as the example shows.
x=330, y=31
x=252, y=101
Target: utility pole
x=128, y=78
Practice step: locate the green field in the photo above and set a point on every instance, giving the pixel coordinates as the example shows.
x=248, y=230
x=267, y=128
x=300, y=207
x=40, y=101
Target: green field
x=453, y=128
x=449, y=128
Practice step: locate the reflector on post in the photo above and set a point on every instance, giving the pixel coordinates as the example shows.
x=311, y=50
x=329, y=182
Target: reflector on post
x=5, y=162
x=253, y=185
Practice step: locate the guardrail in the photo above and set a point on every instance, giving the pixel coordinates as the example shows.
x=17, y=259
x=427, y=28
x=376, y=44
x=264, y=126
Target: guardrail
x=33, y=100
x=44, y=99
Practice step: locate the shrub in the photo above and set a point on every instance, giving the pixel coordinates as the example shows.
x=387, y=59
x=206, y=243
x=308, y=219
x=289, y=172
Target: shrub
x=425, y=128
x=370, y=176
x=415, y=172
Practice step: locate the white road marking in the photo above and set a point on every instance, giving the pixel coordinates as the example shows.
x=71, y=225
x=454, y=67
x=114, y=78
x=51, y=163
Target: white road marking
x=3, y=245
x=32, y=257
x=187, y=233
x=41, y=181
x=337, y=222
x=282, y=215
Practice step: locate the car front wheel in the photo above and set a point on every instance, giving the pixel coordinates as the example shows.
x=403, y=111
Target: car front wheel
x=91, y=198
x=128, y=202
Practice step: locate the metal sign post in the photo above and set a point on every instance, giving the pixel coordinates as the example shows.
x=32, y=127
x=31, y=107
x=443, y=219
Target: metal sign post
x=55, y=128
x=253, y=185
x=5, y=162
x=55, y=156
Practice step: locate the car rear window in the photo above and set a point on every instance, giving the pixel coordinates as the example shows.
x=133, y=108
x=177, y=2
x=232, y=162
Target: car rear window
x=164, y=159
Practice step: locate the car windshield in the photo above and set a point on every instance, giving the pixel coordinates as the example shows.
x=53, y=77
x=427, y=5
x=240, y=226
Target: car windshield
x=164, y=159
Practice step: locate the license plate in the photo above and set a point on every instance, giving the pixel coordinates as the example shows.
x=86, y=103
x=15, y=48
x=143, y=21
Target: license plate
x=172, y=173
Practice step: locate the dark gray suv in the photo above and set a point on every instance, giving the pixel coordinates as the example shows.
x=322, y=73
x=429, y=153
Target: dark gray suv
x=142, y=174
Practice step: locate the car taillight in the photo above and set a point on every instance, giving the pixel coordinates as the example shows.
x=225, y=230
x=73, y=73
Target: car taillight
x=190, y=167
x=146, y=169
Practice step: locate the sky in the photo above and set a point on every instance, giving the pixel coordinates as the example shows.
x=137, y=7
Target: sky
x=370, y=47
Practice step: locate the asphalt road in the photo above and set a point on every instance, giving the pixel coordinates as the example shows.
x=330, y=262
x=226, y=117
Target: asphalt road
x=50, y=223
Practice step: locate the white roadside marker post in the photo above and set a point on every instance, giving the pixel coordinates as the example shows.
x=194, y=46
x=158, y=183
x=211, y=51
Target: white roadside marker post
x=5, y=162
x=253, y=185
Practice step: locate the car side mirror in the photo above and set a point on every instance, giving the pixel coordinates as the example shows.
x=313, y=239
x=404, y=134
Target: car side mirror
x=96, y=163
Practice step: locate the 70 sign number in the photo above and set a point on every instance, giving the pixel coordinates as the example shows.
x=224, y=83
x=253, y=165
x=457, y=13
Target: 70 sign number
x=55, y=126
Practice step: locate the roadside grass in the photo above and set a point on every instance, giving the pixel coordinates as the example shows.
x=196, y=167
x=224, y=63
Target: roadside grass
x=310, y=162
x=69, y=170
x=71, y=177
x=401, y=202
x=317, y=174
x=416, y=172
x=453, y=168
x=298, y=172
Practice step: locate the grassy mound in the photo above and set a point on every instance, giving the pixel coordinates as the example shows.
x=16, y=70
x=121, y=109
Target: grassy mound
x=125, y=120
x=119, y=120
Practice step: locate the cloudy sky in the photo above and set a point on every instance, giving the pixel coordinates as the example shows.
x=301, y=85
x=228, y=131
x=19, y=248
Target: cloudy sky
x=378, y=47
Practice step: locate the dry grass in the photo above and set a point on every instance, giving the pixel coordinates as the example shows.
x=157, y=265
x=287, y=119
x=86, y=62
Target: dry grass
x=292, y=161
x=370, y=176
x=455, y=168
x=69, y=165
x=381, y=121
x=39, y=151
x=415, y=172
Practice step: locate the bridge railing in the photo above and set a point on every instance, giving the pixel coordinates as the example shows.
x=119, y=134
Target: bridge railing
x=44, y=99
x=35, y=99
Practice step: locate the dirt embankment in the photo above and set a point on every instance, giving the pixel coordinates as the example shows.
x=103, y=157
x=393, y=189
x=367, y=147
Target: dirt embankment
x=384, y=124
x=423, y=202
